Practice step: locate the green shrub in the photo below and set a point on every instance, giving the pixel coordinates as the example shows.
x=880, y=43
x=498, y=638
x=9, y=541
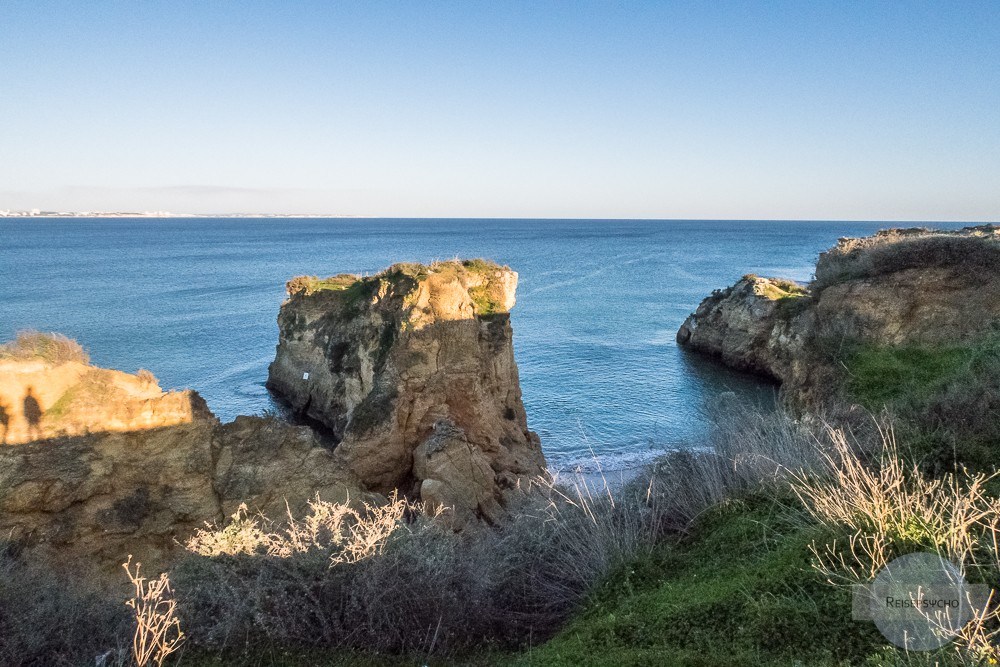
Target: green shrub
x=791, y=305
x=483, y=301
x=480, y=265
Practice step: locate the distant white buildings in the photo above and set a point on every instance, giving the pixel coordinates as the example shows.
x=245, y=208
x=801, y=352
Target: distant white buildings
x=38, y=213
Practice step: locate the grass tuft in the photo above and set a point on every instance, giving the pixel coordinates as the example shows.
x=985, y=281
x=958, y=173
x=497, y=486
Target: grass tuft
x=976, y=250
x=51, y=347
x=889, y=508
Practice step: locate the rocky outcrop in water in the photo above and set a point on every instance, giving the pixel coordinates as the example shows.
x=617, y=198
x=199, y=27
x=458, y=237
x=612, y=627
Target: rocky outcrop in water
x=736, y=324
x=897, y=287
x=413, y=370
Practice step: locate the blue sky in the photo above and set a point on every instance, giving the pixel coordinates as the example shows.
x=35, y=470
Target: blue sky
x=802, y=110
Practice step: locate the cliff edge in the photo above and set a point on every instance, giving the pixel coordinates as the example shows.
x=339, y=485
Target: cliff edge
x=899, y=287
x=413, y=371
x=98, y=464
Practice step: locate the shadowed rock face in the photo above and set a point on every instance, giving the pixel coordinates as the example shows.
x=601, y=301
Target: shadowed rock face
x=122, y=468
x=382, y=360
x=898, y=287
x=86, y=502
x=736, y=324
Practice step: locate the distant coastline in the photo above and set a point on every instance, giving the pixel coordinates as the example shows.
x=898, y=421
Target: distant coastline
x=37, y=213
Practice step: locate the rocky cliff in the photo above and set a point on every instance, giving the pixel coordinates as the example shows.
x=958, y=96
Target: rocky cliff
x=413, y=370
x=42, y=399
x=118, y=467
x=898, y=287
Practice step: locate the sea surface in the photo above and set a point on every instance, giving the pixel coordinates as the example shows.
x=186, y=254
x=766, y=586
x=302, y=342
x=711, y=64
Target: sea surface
x=598, y=305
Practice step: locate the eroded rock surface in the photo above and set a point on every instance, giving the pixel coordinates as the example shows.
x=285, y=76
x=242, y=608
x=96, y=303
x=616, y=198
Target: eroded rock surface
x=89, y=499
x=898, y=287
x=736, y=323
x=382, y=360
x=456, y=477
x=412, y=369
x=41, y=399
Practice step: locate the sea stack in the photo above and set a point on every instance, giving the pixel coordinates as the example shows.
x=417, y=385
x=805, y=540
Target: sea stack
x=413, y=371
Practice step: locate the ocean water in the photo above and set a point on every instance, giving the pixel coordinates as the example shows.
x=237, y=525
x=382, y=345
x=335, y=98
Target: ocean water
x=598, y=304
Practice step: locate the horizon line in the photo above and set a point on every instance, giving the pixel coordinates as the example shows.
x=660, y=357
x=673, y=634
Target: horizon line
x=165, y=215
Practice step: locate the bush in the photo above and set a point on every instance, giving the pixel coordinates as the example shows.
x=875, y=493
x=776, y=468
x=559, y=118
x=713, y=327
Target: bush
x=418, y=589
x=381, y=580
x=50, y=619
x=893, y=250
x=51, y=347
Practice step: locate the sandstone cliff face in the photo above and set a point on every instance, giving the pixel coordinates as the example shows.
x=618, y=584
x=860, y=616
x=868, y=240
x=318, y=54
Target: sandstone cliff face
x=394, y=361
x=152, y=469
x=898, y=287
x=41, y=399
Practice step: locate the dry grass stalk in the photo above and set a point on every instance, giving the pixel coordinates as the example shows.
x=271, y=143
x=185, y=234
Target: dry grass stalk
x=368, y=532
x=242, y=535
x=351, y=534
x=158, y=630
x=891, y=509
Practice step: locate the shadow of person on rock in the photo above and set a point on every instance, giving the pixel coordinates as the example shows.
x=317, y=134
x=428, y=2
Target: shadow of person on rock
x=33, y=415
x=4, y=422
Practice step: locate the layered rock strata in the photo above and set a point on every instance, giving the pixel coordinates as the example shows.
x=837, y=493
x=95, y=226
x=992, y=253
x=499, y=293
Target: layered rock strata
x=413, y=370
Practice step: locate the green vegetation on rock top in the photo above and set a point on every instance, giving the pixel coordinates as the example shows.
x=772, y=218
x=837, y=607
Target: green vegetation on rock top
x=977, y=249
x=776, y=289
x=312, y=284
x=403, y=276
